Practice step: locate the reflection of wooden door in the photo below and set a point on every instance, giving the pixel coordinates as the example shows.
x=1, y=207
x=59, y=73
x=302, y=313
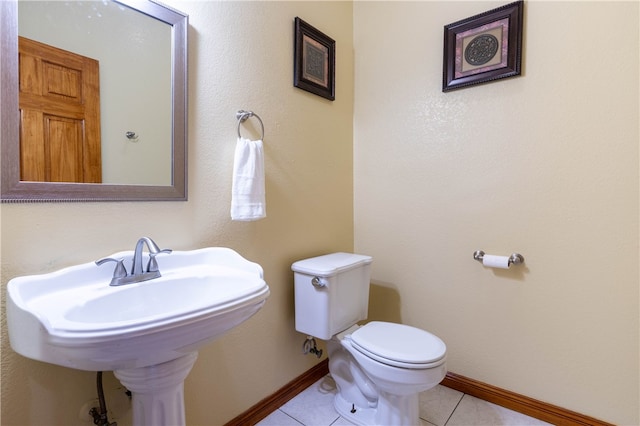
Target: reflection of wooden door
x=59, y=115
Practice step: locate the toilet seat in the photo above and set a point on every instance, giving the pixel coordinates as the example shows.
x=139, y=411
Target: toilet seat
x=399, y=345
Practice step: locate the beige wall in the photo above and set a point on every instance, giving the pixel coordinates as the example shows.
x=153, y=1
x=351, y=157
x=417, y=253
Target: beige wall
x=240, y=57
x=545, y=164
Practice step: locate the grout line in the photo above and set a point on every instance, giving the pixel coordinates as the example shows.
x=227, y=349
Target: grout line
x=285, y=413
x=333, y=422
x=454, y=410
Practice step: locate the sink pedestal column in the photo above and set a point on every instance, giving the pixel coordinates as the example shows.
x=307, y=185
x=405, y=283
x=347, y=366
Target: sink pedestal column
x=158, y=391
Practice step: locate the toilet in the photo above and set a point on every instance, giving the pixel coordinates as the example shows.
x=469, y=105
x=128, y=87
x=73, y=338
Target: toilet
x=380, y=367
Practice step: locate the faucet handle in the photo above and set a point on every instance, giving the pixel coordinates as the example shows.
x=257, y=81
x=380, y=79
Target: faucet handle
x=120, y=271
x=152, y=266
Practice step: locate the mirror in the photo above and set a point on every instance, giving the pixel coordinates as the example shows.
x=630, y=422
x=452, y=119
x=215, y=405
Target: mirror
x=150, y=16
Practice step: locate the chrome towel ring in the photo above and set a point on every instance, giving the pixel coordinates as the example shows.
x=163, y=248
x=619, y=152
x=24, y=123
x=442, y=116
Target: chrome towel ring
x=243, y=116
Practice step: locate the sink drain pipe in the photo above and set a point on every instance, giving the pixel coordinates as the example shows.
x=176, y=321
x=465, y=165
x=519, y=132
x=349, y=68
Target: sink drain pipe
x=100, y=417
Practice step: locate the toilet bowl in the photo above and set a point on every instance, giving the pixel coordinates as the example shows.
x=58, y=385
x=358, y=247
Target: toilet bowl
x=380, y=367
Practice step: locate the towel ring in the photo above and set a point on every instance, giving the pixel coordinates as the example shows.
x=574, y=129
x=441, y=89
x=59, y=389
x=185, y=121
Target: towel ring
x=243, y=116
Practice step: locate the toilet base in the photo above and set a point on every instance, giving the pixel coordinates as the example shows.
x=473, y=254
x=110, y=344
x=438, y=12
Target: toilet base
x=399, y=411
x=359, y=416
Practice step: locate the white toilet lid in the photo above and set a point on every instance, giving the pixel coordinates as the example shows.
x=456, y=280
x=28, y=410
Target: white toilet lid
x=399, y=345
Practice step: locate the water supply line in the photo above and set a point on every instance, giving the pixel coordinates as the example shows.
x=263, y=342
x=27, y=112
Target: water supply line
x=309, y=346
x=100, y=417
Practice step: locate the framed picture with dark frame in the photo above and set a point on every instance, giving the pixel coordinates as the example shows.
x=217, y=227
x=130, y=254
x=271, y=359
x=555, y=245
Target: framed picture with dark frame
x=483, y=48
x=314, y=60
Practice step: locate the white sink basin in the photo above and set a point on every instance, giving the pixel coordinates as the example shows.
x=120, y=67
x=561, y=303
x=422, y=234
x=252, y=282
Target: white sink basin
x=74, y=318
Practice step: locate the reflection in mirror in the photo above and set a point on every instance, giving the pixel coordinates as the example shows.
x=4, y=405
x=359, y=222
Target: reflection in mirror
x=140, y=97
x=133, y=54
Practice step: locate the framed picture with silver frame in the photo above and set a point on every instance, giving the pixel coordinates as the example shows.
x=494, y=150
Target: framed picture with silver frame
x=483, y=48
x=314, y=60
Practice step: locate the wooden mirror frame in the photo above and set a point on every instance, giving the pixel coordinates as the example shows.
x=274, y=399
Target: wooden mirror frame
x=12, y=189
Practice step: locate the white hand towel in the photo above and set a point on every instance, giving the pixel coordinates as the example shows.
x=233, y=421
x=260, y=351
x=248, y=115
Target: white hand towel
x=247, y=190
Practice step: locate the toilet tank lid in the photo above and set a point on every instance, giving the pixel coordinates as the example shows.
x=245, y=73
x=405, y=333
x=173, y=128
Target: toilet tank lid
x=330, y=264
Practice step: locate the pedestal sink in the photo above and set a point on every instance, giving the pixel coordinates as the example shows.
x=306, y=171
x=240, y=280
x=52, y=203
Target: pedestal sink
x=148, y=333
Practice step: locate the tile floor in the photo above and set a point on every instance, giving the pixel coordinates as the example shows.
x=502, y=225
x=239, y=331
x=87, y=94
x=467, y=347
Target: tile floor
x=440, y=406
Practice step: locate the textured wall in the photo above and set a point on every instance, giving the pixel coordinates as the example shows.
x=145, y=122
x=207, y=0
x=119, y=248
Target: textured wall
x=240, y=57
x=545, y=164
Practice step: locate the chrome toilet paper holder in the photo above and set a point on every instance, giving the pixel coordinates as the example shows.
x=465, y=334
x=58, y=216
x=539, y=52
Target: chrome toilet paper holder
x=514, y=259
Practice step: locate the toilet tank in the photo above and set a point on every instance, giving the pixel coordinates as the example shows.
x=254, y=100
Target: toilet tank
x=331, y=293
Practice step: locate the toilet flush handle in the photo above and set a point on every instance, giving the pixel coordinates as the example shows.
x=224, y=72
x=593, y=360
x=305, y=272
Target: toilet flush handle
x=318, y=282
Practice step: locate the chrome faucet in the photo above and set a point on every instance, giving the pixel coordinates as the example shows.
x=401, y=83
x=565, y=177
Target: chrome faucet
x=138, y=274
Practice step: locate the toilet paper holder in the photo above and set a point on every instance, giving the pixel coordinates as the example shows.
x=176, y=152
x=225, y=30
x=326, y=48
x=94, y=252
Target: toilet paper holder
x=514, y=259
